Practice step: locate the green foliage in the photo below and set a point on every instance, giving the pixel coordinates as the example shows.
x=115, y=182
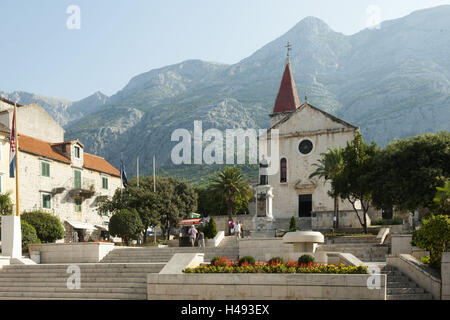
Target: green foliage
x=126, y=224
x=29, y=235
x=442, y=199
x=425, y=260
x=231, y=185
x=48, y=228
x=246, y=260
x=173, y=200
x=292, y=225
x=275, y=260
x=388, y=222
x=407, y=172
x=434, y=236
x=211, y=229
x=6, y=205
x=305, y=259
x=354, y=181
x=329, y=165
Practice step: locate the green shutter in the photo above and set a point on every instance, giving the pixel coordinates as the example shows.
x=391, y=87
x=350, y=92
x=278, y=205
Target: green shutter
x=78, y=205
x=77, y=179
x=46, y=201
x=105, y=183
x=45, y=169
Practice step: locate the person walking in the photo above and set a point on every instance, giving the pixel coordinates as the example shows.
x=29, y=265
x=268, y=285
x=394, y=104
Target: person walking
x=201, y=239
x=192, y=235
x=242, y=228
x=237, y=230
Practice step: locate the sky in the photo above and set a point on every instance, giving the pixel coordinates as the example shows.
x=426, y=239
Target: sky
x=49, y=48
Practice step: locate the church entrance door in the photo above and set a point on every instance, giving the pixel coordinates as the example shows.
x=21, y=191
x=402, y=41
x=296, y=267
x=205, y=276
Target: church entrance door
x=305, y=205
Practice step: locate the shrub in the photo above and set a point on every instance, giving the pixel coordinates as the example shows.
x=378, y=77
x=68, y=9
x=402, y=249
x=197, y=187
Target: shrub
x=292, y=225
x=425, y=260
x=28, y=234
x=6, y=205
x=275, y=260
x=219, y=261
x=211, y=229
x=305, y=259
x=396, y=220
x=434, y=236
x=246, y=260
x=126, y=224
x=48, y=228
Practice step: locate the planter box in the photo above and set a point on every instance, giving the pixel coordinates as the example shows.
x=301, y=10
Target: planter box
x=264, y=287
x=82, y=252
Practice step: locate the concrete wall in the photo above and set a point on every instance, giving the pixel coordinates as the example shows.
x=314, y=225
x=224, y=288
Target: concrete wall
x=416, y=270
x=445, y=275
x=401, y=243
x=262, y=287
x=87, y=252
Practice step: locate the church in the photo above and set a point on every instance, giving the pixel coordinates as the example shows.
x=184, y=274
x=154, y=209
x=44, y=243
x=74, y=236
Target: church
x=305, y=131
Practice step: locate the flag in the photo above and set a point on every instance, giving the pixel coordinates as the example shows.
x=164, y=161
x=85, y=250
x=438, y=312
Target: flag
x=12, y=150
x=123, y=175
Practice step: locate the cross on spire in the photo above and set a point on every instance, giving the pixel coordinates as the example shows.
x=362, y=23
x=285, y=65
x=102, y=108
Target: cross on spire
x=289, y=48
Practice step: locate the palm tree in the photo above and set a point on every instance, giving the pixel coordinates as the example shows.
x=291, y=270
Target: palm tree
x=328, y=167
x=231, y=185
x=6, y=205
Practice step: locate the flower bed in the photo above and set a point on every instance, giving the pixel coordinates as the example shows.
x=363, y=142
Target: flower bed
x=224, y=265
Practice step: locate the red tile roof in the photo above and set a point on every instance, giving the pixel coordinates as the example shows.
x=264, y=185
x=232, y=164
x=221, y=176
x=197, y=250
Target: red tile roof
x=42, y=148
x=287, y=98
x=99, y=164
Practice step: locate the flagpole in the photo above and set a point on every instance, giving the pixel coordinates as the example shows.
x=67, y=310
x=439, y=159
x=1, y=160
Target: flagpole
x=154, y=171
x=16, y=141
x=137, y=169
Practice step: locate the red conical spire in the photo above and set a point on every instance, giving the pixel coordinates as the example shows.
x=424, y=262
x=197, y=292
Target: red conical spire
x=287, y=98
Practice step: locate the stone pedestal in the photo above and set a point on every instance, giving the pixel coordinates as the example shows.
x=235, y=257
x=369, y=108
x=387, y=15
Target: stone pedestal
x=11, y=237
x=263, y=219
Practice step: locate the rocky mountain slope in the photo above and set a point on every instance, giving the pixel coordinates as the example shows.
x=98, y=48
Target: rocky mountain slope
x=392, y=82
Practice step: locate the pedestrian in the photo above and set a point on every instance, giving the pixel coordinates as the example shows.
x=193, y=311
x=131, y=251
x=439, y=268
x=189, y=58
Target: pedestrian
x=231, y=225
x=201, y=239
x=242, y=229
x=237, y=230
x=192, y=235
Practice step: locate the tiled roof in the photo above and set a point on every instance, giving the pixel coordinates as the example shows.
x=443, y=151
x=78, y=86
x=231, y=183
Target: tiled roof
x=287, y=98
x=99, y=164
x=42, y=148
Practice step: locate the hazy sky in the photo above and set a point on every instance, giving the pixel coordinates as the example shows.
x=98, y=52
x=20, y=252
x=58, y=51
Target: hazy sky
x=120, y=39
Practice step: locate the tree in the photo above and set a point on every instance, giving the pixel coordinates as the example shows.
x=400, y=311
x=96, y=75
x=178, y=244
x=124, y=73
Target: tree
x=442, y=198
x=292, y=225
x=328, y=167
x=407, y=172
x=126, y=224
x=353, y=182
x=230, y=184
x=434, y=236
x=6, y=205
x=29, y=235
x=48, y=228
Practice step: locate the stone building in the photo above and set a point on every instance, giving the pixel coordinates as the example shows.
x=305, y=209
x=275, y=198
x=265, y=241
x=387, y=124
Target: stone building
x=56, y=176
x=305, y=132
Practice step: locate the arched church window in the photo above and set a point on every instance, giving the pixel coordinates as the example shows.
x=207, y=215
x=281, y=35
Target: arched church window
x=283, y=170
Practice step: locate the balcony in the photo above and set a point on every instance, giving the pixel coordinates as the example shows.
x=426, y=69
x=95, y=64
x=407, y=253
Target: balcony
x=82, y=189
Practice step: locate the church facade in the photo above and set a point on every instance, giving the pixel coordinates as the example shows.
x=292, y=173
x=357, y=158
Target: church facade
x=305, y=132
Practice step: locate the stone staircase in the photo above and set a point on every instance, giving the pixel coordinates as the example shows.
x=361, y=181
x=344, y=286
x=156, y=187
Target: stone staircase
x=97, y=281
x=400, y=287
x=227, y=248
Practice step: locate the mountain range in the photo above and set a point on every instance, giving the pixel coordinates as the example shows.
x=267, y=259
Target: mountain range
x=392, y=82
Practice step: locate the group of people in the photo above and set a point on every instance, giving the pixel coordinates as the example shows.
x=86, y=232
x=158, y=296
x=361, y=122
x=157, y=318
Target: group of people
x=236, y=228
x=194, y=234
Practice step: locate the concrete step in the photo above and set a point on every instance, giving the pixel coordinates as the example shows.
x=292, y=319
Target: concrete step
x=57, y=282
x=85, y=279
x=71, y=295
x=397, y=278
x=65, y=275
x=391, y=291
x=81, y=290
x=419, y=296
x=401, y=284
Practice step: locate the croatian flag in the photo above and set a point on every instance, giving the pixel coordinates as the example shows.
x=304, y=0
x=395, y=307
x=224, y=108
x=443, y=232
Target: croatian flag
x=123, y=175
x=12, y=151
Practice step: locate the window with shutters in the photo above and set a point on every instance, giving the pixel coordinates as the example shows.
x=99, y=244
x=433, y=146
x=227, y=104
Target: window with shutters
x=45, y=169
x=283, y=170
x=77, y=179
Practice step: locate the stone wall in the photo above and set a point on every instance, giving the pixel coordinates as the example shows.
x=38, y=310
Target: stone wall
x=88, y=252
x=263, y=287
x=401, y=243
x=445, y=275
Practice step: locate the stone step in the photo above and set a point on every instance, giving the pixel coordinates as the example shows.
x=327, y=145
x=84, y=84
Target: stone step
x=397, y=278
x=401, y=284
x=419, y=296
x=71, y=295
x=64, y=274
x=392, y=291
x=58, y=282
x=81, y=290
x=86, y=279
x=87, y=268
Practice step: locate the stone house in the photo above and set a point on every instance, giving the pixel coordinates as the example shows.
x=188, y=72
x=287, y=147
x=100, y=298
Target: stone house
x=56, y=176
x=305, y=132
